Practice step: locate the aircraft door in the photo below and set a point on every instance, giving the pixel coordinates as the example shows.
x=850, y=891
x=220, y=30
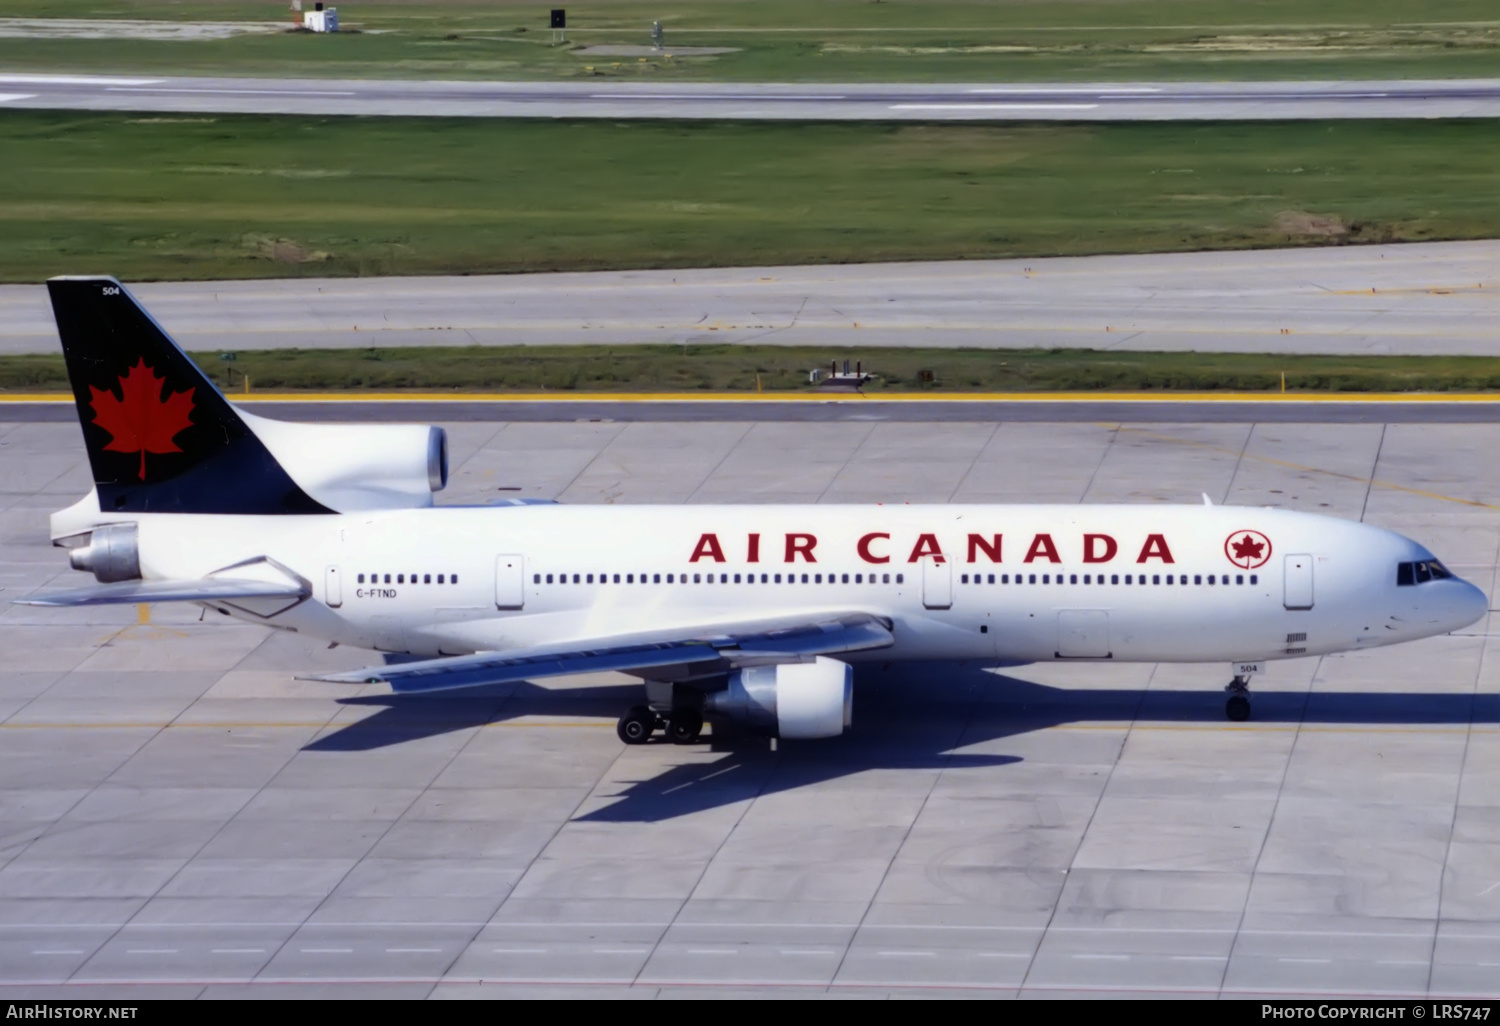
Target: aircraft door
x=1299, y=582
x=333, y=587
x=1083, y=634
x=937, y=582
x=510, y=582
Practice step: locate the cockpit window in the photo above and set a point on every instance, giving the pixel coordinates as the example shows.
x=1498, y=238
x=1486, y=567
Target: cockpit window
x=1420, y=573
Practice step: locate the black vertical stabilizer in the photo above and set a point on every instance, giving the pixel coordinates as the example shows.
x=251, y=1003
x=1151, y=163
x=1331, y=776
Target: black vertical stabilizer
x=160, y=436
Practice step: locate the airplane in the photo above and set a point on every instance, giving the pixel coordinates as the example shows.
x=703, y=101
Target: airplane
x=753, y=614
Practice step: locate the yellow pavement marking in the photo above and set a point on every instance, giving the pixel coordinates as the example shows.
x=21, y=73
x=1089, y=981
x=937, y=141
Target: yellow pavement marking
x=817, y=397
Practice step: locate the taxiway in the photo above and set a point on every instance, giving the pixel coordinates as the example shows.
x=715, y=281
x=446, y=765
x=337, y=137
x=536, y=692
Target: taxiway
x=179, y=816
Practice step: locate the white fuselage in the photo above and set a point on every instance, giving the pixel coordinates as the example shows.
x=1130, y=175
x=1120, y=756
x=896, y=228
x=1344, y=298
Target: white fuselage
x=1008, y=584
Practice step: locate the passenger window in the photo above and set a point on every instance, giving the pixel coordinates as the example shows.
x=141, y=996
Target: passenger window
x=589, y=579
x=453, y=579
x=1156, y=578
x=400, y=578
x=656, y=578
x=900, y=578
x=885, y=578
x=1031, y=579
x=549, y=578
x=723, y=578
x=1239, y=578
x=1115, y=579
x=963, y=579
x=736, y=578
x=1072, y=578
x=1127, y=578
x=844, y=579
x=696, y=578
x=387, y=578
x=1210, y=578
x=617, y=578
x=1254, y=578
x=440, y=578
x=1198, y=579
x=817, y=578
x=361, y=579
x=1169, y=578
x=992, y=579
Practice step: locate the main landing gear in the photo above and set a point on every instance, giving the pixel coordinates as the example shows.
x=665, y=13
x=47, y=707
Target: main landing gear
x=1237, y=708
x=682, y=726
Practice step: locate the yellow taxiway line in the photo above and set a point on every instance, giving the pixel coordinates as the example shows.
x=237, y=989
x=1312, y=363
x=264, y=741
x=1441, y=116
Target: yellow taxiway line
x=1347, y=398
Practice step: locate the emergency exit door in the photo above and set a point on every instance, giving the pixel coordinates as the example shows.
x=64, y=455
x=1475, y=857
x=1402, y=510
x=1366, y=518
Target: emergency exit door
x=1299, y=582
x=510, y=582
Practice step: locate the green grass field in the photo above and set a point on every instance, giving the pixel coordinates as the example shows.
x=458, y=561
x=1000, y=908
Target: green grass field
x=788, y=40
x=157, y=197
x=739, y=368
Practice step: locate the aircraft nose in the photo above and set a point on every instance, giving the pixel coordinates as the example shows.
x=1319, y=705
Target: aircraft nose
x=1469, y=606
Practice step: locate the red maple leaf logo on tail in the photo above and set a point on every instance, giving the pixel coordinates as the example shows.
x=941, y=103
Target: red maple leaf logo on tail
x=144, y=417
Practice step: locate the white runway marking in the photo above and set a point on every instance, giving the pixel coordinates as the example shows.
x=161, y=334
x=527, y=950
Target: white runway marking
x=228, y=92
x=413, y=951
x=519, y=951
x=327, y=951
x=993, y=106
x=58, y=951
x=7, y=97
x=98, y=80
x=759, y=97
x=237, y=951
x=1034, y=90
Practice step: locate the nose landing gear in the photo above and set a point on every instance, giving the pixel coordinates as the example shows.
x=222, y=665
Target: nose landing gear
x=1237, y=708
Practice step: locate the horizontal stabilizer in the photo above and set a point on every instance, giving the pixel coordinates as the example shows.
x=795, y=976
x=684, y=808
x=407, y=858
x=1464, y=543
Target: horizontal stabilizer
x=726, y=645
x=133, y=592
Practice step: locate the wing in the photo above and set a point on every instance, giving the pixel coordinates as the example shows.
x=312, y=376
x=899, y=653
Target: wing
x=131, y=592
x=716, y=648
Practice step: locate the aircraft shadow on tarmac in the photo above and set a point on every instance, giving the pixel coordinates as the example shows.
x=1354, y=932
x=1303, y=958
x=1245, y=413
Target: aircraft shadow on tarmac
x=912, y=717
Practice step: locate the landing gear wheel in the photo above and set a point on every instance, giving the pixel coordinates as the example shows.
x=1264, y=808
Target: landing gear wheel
x=684, y=726
x=1237, y=708
x=636, y=726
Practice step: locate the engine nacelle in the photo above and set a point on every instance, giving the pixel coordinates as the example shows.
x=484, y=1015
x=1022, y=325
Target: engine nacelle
x=795, y=700
x=112, y=553
x=351, y=467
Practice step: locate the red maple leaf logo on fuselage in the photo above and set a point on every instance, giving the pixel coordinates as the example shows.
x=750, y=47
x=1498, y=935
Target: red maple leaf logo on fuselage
x=144, y=417
x=1247, y=548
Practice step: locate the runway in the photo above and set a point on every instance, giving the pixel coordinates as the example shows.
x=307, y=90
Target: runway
x=1076, y=101
x=180, y=817
x=1415, y=299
